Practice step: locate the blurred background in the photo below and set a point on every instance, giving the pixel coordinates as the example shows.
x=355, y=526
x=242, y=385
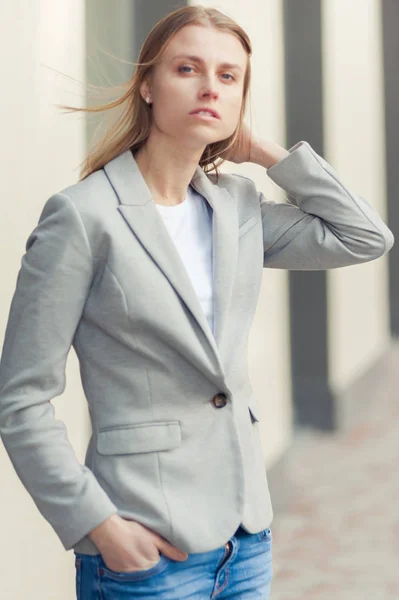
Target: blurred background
x=323, y=357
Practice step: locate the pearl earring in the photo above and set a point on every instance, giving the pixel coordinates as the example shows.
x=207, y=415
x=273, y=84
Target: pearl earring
x=147, y=99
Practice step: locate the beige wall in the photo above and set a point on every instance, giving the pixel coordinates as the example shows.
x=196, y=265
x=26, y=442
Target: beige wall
x=354, y=130
x=41, y=154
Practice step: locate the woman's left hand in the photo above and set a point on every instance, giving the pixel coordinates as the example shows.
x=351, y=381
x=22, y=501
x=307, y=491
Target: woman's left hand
x=251, y=148
x=243, y=149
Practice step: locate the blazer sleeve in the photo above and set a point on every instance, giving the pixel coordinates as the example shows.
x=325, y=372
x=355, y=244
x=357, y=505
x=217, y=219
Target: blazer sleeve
x=323, y=225
x=52, y=286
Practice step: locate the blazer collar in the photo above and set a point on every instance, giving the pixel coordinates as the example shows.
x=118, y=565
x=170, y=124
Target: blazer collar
x=139, y=210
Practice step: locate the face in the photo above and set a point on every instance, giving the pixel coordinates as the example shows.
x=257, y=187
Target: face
x=201, y=67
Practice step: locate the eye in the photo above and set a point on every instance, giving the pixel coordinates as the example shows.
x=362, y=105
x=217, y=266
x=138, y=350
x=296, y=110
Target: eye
x=184, y=67
x=180, y=69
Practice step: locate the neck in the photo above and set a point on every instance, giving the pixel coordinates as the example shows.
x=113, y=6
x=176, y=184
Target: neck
x=167, y=170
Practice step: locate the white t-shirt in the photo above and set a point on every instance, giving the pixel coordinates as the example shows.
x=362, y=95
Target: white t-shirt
x=190, y=227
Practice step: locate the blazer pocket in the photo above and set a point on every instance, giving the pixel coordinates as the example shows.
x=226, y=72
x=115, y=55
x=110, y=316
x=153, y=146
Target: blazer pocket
x=249, y=223
x=139, y=437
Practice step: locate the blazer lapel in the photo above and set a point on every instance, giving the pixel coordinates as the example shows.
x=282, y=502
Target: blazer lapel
x=224, y=250
x=139, y=210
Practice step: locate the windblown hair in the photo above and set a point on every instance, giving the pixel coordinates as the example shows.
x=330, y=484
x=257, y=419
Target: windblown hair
x=132, y=127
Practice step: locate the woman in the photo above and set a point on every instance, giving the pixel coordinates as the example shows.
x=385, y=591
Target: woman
x=151, y=269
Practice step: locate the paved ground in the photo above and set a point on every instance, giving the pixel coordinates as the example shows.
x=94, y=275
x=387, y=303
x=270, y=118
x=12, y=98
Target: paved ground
x=336, y=501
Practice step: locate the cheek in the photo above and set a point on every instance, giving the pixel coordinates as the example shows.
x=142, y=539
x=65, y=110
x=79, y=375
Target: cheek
x=233, y=112
x=168, y=99
x=172, y=105
x=167, y=114
x=234, y=103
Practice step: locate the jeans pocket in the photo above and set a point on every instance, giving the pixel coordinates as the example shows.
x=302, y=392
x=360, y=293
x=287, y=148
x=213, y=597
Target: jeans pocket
x=139, y=575
x=265, y=535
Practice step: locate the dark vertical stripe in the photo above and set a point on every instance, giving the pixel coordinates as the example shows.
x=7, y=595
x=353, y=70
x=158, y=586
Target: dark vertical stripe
x=118, y=28
x=109, y=34
x=390, y=21
x=312, y=398
x=149, y=12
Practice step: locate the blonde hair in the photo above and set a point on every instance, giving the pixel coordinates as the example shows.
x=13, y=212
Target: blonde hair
x=132, y=127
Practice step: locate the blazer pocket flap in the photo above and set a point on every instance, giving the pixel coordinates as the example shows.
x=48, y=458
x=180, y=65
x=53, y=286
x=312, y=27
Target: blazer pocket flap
x=140, y=437
x=254, y=408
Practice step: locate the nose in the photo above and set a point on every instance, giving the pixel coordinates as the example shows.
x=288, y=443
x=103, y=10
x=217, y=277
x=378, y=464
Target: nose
x=209, y=91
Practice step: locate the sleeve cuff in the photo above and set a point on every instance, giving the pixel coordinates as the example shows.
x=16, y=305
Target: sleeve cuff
x=293, y=150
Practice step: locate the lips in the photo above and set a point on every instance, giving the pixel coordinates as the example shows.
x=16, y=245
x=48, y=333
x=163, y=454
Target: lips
x=213, y=112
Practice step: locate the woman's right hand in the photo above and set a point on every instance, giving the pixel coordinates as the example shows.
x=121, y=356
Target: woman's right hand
x=127, y=545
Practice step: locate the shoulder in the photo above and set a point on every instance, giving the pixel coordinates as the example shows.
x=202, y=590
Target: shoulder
x=242, y=189
x=92, y=194
x=93, y=202
x=233, y=182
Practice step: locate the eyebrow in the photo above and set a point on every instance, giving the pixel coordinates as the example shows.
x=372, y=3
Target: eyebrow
x=200, y=60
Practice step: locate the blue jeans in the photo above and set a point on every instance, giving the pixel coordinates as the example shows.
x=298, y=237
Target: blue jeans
x=239, y=570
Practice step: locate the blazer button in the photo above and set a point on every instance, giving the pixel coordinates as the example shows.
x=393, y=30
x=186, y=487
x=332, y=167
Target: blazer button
x=219, y=400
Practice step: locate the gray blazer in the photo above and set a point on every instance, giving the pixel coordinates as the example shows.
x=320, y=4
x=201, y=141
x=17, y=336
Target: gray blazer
x=175, y=438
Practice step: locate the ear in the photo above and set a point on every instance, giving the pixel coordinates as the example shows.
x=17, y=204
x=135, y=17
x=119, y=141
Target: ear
x=145, y=89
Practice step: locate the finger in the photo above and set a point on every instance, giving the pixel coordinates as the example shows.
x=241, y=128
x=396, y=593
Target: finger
x=171, y=551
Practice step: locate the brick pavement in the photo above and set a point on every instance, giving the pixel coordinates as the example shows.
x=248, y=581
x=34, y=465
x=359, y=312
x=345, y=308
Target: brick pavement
x=336, y=500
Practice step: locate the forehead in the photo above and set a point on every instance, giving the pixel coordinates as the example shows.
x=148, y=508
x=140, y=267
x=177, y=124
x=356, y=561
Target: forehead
x=209, y=43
